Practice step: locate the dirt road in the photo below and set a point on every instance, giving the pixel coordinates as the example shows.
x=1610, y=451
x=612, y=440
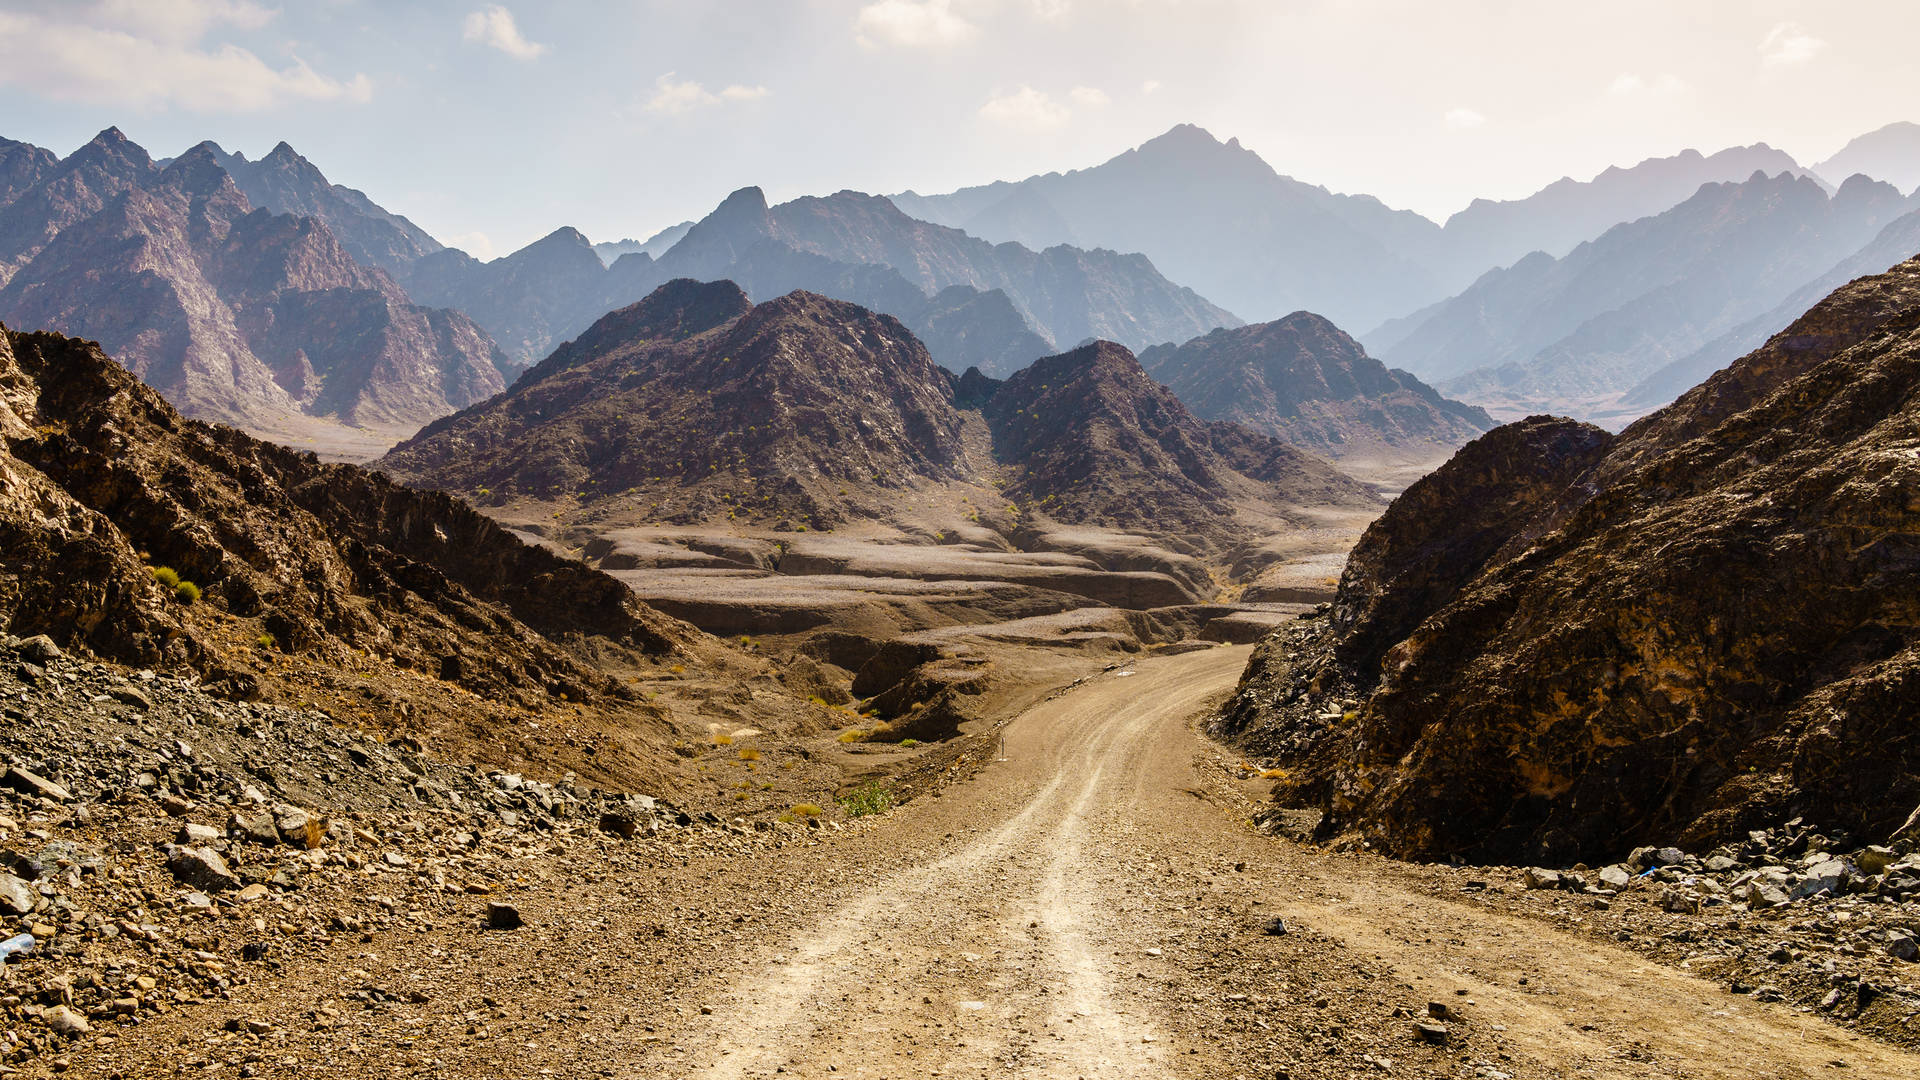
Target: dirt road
x=1093, y=906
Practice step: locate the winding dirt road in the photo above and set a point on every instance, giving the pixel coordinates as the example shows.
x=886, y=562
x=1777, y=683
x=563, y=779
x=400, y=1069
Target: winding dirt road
x=1095, y=906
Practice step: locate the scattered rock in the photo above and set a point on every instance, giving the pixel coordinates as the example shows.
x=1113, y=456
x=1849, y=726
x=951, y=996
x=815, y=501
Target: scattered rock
x=503, y=917
x=64, y=1021
x=20, y=779
x=201, y=867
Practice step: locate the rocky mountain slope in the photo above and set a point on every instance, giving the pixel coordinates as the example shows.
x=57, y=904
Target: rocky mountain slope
x=695, y=405
x=1573, y=334
x=1564, y=643
x=1557, y=218
x=1895, y=244
x=138, y=536
x=1891, y=153
x=1302, y=380
x=237, y=314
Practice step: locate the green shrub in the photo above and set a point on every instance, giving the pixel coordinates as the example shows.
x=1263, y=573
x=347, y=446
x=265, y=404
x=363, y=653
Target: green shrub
x=188, y=592
x=266, y=641
x=805, y=810
x=868, y=798
x=165, y=576
x=905, y=743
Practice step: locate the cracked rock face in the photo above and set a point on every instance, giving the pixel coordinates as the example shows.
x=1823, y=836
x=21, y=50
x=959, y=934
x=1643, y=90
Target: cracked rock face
x=1702, y=626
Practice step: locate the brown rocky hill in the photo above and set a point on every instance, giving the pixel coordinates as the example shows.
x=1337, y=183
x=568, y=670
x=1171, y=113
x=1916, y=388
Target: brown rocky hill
x=1303, y=380
x=1089, y=438
x=711, y=406
x=21, y=167
x=237, y=315
x=316, y=583
x=287, y=183
x=695, y=406
x=1560, y=645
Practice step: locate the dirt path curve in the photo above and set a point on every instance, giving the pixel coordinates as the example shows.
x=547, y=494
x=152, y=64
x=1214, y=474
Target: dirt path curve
x=1094, y=906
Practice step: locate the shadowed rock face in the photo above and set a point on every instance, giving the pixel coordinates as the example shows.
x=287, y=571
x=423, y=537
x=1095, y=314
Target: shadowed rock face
x=236, y=314
x=1709, y=623
x=101, y=479
x=1302, y=380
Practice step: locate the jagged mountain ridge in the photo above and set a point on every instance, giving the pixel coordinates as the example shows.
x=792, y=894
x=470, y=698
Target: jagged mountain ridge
x=1891, y=153
x=239, y=315
x=1568, y=643
x=287, y=183
x=1572, y=334
x=1304, y=381
x=812, y=411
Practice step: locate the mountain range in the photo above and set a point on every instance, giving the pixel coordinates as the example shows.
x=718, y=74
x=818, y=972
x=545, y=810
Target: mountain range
x=816, y=412
x=237, y=314
x=1575, y=333
x=1891, y=153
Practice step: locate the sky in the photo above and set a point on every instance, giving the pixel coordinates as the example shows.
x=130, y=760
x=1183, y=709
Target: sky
x=491, y=124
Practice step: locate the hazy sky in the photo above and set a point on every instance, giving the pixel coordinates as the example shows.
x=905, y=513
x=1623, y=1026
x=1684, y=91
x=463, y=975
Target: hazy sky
x=492, y=124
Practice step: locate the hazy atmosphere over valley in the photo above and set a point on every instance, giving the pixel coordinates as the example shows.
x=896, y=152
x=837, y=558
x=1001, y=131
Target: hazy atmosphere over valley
x=929, y=538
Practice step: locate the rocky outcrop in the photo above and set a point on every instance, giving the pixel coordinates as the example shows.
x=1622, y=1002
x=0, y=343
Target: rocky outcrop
x=286, y=183
x=237, y=314
x=102, y=484
x=1703, y=626
x=1302, y=380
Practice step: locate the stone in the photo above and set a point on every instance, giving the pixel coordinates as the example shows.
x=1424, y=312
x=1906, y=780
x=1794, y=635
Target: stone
x=1903, y=947
x=1679, y=901
x=20, y=779
x=1827, y=877
x=1433, y=1033
x=1765, y=894
x=254, y=828
x=1874, y=860
x=620, y=824
x=503, y=917
x=248, y=895
x=38, y=649
x=15, y=895
x=1670, y=856
x=200, y=867
x=64, y=1021
x=1275, y=927
x=299, y=828
x=1615, y=877
x=1720, y=864
x=175, y=806
x=1643, y=858
x=198, y=835
x=1540, y=878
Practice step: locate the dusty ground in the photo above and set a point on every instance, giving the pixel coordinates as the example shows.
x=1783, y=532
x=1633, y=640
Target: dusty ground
x=1094, y=905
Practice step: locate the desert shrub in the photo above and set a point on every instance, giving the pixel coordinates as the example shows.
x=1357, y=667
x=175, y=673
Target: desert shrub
x=909, y=742
x=723, y=740
x=868, y=798
x=266, y=641
x=748, y=753
x=806, y=810
x=852, y=735
x=188, y=592
x=166, y=576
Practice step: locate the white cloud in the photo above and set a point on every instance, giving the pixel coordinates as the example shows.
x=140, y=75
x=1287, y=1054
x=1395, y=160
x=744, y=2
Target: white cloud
x=1631, y=84
x=1149, y=86
x=1091, y=97
x=476, y=244
x=680, y=97
x=494, y=27
x=911, y=24
x=151, y=54
x=1789, y=45
x=1464, y=119
x=1028, y=110
x=1052, y=10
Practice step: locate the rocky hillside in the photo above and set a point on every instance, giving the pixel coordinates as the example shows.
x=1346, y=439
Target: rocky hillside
x=237, y=314
x=1302, y=380
x=696, y=405
x=1091, y=439
x=1562, y=644
x=1573, y=334
x=298, y=580
x=712, y=406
